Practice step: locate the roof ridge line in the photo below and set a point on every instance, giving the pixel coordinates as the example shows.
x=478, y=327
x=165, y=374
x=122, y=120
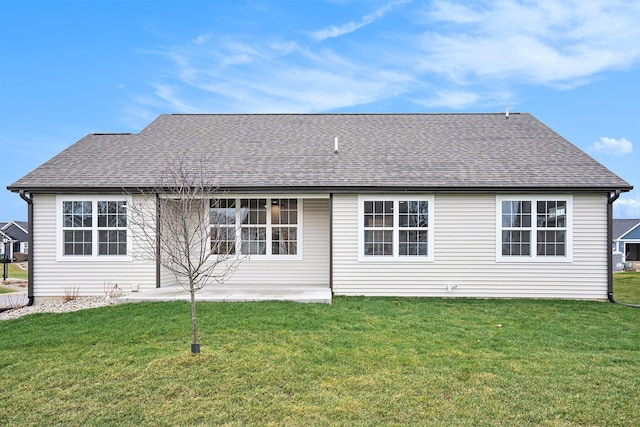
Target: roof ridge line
x=347, y=114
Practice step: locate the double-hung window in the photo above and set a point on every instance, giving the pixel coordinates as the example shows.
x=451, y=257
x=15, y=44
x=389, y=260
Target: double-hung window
x=253, y=229
x=92, y=228
x=413, y=223
x=256, y=226
x=284, y=226
x=395, y=228
x=534, y=228
x=112, y=227
x=378, y=227
x=222, y=218
x=77, y=226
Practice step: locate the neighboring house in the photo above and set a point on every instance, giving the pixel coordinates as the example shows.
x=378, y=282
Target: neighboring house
x=3, y=238
x=17, y=235
x=429, y=205
x=626, y=238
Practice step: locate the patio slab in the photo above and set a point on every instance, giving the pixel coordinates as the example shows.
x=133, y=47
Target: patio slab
x=237, y=293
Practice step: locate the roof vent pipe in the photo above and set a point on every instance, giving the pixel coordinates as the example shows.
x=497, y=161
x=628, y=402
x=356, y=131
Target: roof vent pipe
x=506, y=114
x=335, y=147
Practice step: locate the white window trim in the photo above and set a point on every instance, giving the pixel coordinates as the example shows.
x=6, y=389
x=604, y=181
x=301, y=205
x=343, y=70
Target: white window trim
x=269, y=226
x=396, y=258
x=94, y=257
x=533, y=257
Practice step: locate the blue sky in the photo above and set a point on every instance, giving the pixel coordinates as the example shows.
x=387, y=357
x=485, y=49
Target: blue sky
x=69, y=68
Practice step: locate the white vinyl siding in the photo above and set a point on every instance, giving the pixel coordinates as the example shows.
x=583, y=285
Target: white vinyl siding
x=464, y=263
x=89, y=276
x=464, y=256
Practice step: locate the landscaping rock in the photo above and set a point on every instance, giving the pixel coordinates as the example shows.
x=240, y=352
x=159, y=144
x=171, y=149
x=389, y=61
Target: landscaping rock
x=59, y=305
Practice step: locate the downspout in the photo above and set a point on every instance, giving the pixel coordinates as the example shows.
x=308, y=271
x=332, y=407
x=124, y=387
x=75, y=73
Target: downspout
x=157, y=240
x=29, y=200
x=612, y=199
x=331, y=242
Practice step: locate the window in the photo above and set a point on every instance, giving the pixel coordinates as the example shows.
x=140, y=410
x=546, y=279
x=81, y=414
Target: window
x=255, y=226
x=378, y=227
x=413, y=220
x=78, y=224
x=91, y=228
x=534, y=228
x=516, y=227
x=284, y=230
x=112, y=232
x=395, y=228
x=222, y=218
x=552, y=228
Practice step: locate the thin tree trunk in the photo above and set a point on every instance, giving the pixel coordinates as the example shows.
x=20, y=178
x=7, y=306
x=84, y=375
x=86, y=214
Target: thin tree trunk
x=195, y=346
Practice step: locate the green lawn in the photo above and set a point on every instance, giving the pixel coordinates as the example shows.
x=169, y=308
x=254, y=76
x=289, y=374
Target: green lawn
x=14, y=272
x=626, y=287
x=360, y=361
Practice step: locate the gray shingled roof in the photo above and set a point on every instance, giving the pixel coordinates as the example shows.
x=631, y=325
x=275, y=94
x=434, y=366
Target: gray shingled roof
x=296, y=151
x=623, y=226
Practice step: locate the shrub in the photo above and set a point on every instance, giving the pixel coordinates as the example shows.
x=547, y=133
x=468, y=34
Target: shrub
x=20, y=257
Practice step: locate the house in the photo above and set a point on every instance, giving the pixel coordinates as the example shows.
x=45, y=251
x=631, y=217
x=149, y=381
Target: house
x=16, y=233
x=425, y=205
x=4, y=248
x=626, y=238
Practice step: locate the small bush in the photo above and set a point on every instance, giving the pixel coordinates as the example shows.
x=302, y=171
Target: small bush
x=112, y=290
x=70, y=293
x=20, y=257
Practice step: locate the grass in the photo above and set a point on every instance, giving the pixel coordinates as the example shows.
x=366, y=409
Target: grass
x=360, y=361
x=626, y=287
x=14, y=272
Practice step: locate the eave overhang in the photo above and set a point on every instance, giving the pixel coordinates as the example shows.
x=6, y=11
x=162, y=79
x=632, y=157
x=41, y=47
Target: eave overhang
x=335, y=189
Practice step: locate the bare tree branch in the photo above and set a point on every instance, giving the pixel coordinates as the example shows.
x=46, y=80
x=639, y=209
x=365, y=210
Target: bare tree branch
x=194, y=243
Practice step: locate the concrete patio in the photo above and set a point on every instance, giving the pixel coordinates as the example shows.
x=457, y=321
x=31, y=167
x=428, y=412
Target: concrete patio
x=237, y=293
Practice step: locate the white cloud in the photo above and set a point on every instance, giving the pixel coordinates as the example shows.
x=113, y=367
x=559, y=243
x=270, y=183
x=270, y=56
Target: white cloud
x=350, y=27
x=473, y=54
x=627, y=206
x=450, y=99
x=334, y=31
x=452, y=12
x=555, y=43
x=268, y=77
x=616, y=147
x=201, y=39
